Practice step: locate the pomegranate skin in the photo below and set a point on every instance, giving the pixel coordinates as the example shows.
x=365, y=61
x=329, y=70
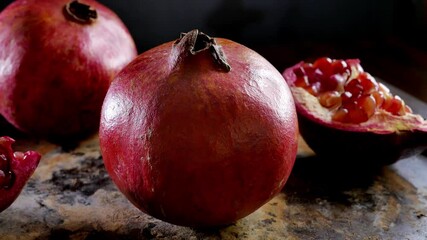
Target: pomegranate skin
x=194, y=145
x=362, y=148
x=22, y=165
x=55, y=70
x=373, y=144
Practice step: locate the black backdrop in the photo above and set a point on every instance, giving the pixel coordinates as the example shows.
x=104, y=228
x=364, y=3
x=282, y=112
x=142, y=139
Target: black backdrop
x=389, y=36
x=255, y=22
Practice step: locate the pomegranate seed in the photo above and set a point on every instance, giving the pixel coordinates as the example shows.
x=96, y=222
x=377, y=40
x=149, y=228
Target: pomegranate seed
x=313, y=89
x=368, y=83
x=357, y=115
x=324, y=64
x=301, y=82
x=354, y=112
x=317, y=76
x=340, y=115
x=346, y=97
x=354, y=87
x=330, y=99
x=367, y=104
x=395, y=106
x=340, y=67
x=300, y=72
x=379, y=98
x=386, y=95
x=309, y=70
x=388, y=100
x=334, y=82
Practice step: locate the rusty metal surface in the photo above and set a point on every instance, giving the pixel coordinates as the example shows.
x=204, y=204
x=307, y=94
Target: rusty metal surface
x=70, y=196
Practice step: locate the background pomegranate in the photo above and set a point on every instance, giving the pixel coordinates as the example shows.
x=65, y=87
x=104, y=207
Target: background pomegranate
x=57, y=58
x=346, y=114
x=199, y=132
x=15, y=170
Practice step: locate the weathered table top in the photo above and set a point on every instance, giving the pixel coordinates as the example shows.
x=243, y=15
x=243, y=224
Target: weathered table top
x=70, y=196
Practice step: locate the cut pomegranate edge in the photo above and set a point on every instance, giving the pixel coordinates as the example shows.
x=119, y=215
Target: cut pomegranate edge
x=380, y=120
x=21, y=165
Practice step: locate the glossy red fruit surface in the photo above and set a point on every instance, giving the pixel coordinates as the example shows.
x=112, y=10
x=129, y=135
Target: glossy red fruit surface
x=15, y=170
x=358, y=118
x=57, y=59
x=199, y=132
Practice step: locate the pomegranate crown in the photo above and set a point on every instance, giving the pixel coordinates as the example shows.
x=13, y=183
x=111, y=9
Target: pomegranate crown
x=195, y=41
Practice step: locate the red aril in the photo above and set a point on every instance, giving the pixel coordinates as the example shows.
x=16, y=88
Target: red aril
x=340, y=67
x=199, y=132
x=323, y=65
x=333, y=82
x=354, y=88
x=330, y=99
x=367, y=104
x=15, y=170
x=361, y=118
x=368, y=83
x=57, y=58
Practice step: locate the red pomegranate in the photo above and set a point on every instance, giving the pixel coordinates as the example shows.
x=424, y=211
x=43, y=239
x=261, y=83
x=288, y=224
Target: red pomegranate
x=15, y=170
x=199, y=132
x=57, y=58
x=346, y=114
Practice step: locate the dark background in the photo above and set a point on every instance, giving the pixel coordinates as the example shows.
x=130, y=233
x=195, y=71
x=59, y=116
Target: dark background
x=389, y=36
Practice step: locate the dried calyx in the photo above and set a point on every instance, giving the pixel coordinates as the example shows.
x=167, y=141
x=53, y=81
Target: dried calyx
x=195, y=42
x=80, y=12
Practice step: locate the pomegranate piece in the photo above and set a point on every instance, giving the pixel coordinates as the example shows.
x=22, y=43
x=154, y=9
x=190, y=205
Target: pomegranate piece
x=57, y=59
x=361, y=117
x=358, y=89
x=199, y=132
x=15, y=170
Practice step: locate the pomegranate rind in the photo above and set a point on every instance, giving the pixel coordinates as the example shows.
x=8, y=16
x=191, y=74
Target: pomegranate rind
x=383, y=139
x=22, y=165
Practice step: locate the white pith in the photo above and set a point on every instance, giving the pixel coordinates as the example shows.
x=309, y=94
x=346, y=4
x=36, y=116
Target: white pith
x=380, y=121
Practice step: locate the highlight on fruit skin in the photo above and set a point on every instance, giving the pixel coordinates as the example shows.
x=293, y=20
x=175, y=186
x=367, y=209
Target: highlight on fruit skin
x=15, y=170
x=199, y=132
x=345, y=113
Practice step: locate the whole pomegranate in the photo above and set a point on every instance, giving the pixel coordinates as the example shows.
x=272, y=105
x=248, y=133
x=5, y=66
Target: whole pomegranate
x=199, y=132
x=346, y=114
x=57, y=59
x=15, y=170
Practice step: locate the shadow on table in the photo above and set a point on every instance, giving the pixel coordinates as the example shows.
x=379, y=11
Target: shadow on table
x=314, y=178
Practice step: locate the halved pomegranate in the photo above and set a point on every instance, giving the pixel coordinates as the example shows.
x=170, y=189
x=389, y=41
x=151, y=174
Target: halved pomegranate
x=345, y=113
x=15, y=170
